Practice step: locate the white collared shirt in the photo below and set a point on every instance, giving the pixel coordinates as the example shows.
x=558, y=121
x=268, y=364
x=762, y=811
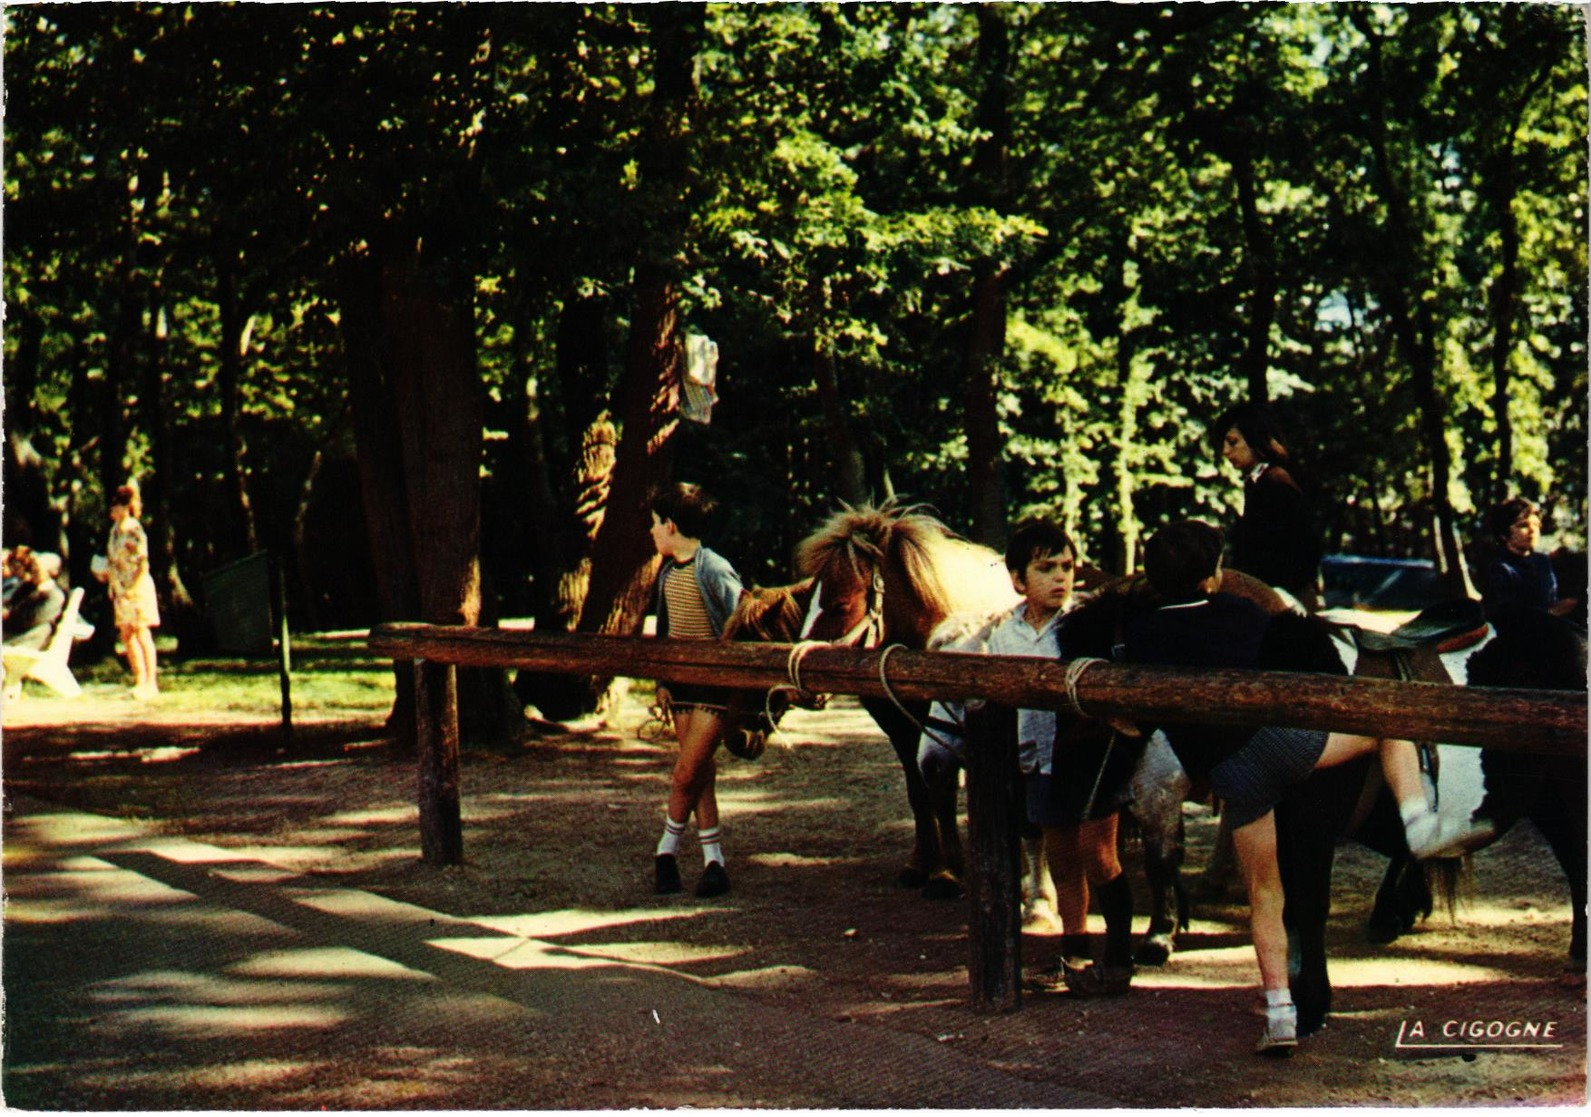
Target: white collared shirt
x=1035, y=728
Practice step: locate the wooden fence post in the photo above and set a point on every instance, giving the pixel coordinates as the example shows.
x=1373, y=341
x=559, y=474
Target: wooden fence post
x=436, y=717
x=995, y=808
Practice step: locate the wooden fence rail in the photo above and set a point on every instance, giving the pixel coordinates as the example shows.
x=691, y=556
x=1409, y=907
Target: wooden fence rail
x=1519, y=720
x=1551, y=722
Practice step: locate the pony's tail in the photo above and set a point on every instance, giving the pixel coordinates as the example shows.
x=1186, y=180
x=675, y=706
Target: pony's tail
x=1449, y=879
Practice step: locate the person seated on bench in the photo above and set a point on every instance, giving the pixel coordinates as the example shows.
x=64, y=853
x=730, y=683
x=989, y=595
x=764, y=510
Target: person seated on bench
x=36, y=605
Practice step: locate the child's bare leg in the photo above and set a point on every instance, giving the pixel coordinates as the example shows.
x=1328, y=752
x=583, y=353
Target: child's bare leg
x=1427, y=834
x=1256, y=854
x=1071, y=885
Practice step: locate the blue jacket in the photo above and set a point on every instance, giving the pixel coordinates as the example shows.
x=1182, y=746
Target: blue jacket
x=1505, y=578
x=719, y=584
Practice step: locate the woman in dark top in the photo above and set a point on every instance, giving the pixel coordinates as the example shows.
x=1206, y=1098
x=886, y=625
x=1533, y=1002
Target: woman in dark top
x=1510, y=571
x=1276, y=539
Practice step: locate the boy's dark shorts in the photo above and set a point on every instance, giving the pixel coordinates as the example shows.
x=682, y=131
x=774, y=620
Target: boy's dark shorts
x=1091, y=777
x=693, y=696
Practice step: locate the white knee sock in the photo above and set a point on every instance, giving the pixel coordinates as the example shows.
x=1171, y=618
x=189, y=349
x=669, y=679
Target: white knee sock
x=672, y=832
x=712, y=848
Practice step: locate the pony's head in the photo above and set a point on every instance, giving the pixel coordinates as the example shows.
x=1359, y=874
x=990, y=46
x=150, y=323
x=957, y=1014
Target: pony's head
x=772, y=614
x=877, y=575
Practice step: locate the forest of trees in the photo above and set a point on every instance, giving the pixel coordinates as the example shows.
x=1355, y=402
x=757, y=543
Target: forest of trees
x=400, y=293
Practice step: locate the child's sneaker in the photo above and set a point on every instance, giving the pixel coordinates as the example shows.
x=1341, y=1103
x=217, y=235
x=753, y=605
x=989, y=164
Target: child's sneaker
x=1431, y=835
x=1280, y=1037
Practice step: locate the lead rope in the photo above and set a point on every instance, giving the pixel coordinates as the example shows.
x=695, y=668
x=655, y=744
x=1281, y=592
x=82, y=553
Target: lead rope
x=1074, y=672
x=889, y=691
x=792, y=670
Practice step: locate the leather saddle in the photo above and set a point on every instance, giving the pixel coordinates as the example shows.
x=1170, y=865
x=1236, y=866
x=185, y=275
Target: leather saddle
x=1446, y=626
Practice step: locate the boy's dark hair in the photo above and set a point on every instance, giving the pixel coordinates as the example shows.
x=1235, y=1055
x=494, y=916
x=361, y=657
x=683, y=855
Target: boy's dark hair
x=688, y=505
x=1036, y=539
x=1502, y=517
x=1180, y=556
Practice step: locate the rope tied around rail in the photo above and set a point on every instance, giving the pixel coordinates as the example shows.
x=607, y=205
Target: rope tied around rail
x=792, y=670
x=1074, y=672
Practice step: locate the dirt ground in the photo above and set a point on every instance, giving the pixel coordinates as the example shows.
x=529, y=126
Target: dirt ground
x=558, y=837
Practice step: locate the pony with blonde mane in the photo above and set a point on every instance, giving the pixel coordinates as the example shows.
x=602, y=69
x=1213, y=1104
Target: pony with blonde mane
x=875, y=576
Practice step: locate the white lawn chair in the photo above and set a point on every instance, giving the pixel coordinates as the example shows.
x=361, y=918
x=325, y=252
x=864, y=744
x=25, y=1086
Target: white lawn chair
x=48, y=664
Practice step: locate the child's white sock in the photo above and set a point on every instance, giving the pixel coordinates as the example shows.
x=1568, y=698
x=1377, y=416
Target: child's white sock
x=712, y=847
x=672, y=832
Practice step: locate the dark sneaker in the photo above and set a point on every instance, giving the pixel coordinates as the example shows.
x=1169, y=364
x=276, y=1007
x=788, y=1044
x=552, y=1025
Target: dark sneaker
x=1099, y=980
x=668, y=874
x=714, y=882
x=1056, y=977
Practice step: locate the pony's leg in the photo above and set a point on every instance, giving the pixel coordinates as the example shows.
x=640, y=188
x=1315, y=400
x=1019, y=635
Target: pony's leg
x=1159, y=787
x=1308, y=822
x=933, y=810
x=1560, y=815
x=1402, y=900
x=1040, y=904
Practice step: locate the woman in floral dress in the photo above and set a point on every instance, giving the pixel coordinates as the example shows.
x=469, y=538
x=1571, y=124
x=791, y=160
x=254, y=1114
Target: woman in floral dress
x=132, y=589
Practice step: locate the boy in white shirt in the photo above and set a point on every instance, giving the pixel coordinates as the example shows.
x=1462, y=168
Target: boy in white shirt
x=1080, y=846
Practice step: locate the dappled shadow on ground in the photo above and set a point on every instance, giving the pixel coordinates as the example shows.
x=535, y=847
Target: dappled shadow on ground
x=300, y=946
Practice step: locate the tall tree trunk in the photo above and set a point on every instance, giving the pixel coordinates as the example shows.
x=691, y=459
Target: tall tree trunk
x=624, y=562
x=1504, y=308
x=986, y=334
x=179, y=614
x=850, y=469
x=380, y=455
x=1401, y=290
x=986, y=343
x=418, y=410
x=377, y=438
x=235, y=327
x=1260, y=268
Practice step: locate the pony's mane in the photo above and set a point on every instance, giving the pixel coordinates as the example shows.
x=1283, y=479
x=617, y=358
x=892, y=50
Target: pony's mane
x=772, y=613
x=859, y=539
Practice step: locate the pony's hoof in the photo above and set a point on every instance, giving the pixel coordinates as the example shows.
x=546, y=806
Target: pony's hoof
x=942, y=886
x=1310, y=1021
x=911, y=877
x=1154, y=951
x=1384, y=927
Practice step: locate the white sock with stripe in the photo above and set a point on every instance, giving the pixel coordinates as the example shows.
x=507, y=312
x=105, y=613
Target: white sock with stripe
x=712, y=847
x=672, y=832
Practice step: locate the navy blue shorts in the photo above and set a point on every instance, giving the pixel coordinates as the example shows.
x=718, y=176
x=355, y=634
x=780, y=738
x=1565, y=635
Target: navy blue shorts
x=1253, y=780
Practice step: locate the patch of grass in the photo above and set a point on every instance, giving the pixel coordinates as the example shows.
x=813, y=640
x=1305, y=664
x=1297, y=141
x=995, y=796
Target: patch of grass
x=329, y=677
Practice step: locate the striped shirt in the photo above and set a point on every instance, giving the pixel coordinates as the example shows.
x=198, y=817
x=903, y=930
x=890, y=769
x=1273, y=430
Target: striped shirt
x=687, y=614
